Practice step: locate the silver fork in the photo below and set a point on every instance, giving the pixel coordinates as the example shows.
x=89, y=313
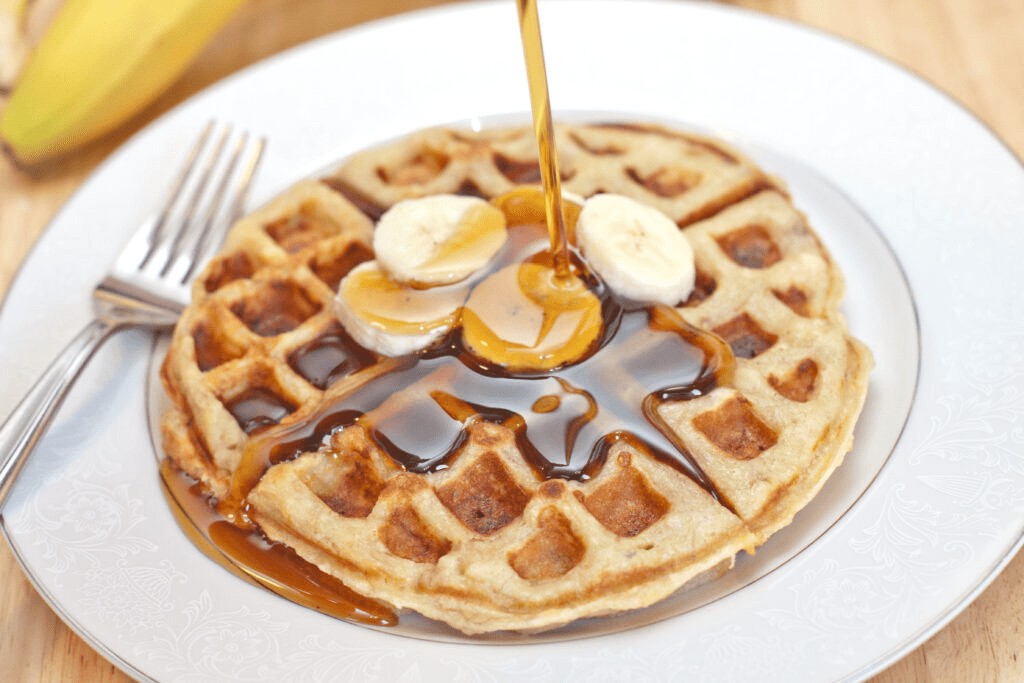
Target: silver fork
x=148, y=285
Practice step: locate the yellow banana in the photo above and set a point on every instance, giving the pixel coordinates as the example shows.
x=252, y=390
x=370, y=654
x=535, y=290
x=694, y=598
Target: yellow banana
x=100, y=62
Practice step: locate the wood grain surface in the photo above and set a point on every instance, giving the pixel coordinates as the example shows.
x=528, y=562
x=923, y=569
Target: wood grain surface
x=972, y=49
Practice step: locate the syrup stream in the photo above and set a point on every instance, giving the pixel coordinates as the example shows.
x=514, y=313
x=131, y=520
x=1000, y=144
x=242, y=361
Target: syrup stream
x=540, y=102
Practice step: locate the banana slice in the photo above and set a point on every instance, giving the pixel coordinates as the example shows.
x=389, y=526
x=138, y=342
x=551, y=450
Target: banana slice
x=524, y=319
x=392, y=318
x=438, y=240
x=639, y=252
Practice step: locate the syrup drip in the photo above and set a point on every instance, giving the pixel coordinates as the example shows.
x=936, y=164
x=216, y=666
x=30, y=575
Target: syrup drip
x=246, y=554
x=565, y=423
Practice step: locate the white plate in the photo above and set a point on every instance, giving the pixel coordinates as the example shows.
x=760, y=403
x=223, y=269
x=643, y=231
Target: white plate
x=918, y=520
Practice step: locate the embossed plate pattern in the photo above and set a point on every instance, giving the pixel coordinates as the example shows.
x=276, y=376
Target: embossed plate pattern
x=831, y=600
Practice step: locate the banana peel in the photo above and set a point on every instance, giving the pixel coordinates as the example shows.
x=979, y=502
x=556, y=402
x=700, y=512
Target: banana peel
x=99, y=63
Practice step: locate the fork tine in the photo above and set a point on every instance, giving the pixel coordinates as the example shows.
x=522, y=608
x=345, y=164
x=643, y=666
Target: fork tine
x=203, y=243
x=193, y=203
x=189, y=249
x=213, y=232
x=156, y=233
x=245, y=182
x=216, y=182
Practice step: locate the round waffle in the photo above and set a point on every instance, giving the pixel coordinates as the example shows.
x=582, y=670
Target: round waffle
x=487, y=544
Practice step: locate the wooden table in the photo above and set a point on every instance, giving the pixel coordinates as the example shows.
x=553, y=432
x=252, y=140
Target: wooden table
x=973, y=49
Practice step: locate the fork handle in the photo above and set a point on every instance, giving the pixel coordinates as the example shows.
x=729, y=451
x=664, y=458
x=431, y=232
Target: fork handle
x=29, y=420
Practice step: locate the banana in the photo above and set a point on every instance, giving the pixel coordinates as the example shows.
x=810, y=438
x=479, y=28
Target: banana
x=392, y=318
x=524, y=318
x=437, y=240
x=100, y=62
x=639, y=252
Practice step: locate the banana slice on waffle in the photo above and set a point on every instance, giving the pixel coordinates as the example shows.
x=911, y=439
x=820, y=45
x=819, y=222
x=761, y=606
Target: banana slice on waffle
x=486, y=541
x=638, y=251
x=438, y=240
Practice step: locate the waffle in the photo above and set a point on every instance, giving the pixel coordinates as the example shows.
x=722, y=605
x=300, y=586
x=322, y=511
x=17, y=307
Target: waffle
x=487, y=544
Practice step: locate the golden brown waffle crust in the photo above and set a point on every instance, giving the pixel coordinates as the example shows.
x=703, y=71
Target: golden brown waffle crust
x=474, y=585
x=767, y=441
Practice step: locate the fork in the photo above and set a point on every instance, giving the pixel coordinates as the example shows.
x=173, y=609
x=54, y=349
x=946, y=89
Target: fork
x=148, y=285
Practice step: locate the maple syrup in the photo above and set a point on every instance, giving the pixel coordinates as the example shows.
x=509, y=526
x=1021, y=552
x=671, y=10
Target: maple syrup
x=399, y=308
x=256, y=407
x=565, y=417
x=480, y=233
x=524, y=318
x=245, y=553
x=544, y=129
x=328, y=358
